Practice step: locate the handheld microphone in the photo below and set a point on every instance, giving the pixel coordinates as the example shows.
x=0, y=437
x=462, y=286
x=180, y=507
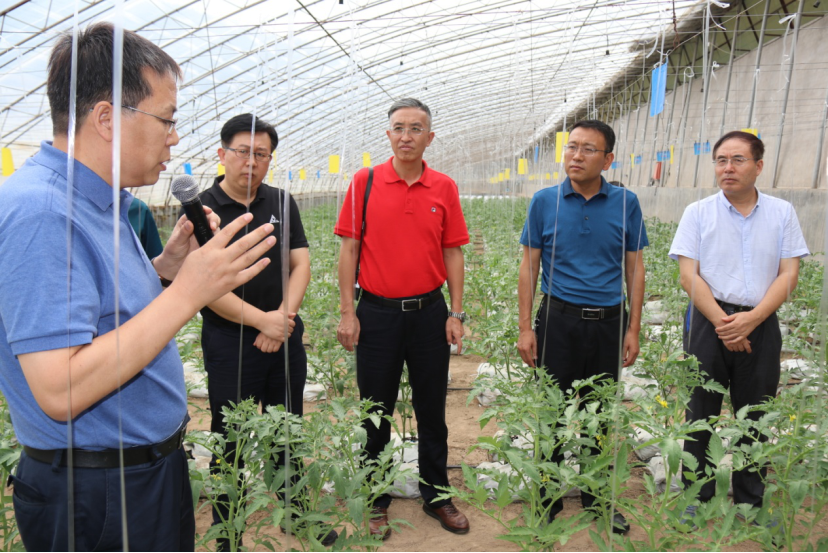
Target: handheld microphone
x=185, y=190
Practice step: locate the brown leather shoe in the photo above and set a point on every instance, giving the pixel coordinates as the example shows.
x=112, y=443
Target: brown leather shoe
x=378, y=524
x=450, y=518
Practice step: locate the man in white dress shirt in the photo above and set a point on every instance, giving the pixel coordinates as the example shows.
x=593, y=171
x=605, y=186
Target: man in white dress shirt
x=738, y=254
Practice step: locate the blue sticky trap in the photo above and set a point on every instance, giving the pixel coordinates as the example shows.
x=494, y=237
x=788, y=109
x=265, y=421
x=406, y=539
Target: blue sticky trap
x=317, y=174
x=696, y=148
x=616, y=165
x=707, y=147
x=638, y=160
x=537, y=150
x=188, y=169
x=290, y=175
x=658, y=89
x=659, y=156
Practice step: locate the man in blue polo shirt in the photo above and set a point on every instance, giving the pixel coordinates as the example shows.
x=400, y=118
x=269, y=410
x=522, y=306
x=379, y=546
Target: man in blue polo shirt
x=88, y=364
x=588, y=236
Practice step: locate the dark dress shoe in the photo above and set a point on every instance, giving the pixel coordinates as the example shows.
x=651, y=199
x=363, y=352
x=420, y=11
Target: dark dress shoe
x=619, y=524
x=450, y=518
x=378, y=525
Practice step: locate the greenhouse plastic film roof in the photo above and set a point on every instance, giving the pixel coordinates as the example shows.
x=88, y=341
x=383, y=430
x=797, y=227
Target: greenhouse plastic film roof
x=497, y=75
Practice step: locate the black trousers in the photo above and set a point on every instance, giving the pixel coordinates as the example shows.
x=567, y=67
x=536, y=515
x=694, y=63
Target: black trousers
x=752, y=378
x=388, y=338
x=571, y=348
x=159, y=506
x=263, y=377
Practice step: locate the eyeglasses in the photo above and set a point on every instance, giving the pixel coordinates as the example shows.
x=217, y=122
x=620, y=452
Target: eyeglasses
x=244, y=153
x=413, y=131
x=170, y=122
x=737, y=161
x=586, y=150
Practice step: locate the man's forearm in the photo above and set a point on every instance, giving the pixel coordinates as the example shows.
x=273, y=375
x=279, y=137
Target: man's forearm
x=455, y=276
x=699, y=292
x=88, y=371
x=234, y=309
x=347, y=270
x=635, y=288
x=527, y=284
x=776, y=295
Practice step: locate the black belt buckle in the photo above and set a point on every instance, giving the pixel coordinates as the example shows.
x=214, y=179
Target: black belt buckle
x=592, y=313
x=417, y=304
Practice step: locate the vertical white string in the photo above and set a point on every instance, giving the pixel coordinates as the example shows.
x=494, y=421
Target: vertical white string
x=117, y=76
x=70, y=187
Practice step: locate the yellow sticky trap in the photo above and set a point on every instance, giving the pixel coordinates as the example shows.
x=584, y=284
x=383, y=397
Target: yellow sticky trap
x=507, y=172
x=671, y=154
x=561, y=138
x=302, y=174
x=531, y=177
x=500, y=177
x=333, y=164
x=366, y=159
x=220, y=169
x=492, y=180
x=554, y=175
x=522, y=166
x=754, y=132
x=270, y=176
x=8, y=162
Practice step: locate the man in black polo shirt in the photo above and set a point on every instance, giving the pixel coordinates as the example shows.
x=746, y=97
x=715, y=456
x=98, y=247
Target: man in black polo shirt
x=247, y=146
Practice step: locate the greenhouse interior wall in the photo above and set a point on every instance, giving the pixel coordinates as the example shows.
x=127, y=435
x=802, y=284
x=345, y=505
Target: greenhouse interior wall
x=804, y=127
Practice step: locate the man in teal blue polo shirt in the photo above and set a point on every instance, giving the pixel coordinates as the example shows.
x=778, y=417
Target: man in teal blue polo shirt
x=587, y=235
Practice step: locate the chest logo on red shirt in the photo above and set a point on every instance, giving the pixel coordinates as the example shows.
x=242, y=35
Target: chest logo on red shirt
x=434, y=209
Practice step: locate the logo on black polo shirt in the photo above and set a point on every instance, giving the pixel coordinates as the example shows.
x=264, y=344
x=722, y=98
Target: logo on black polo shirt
x=273, y=220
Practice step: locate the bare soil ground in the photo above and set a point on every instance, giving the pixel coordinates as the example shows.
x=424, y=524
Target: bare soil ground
x=426, y=533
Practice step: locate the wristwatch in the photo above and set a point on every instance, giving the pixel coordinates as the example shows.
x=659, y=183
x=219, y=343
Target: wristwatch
x=458, y=315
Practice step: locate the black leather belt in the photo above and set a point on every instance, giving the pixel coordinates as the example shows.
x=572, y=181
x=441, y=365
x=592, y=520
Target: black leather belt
x=111, y=458
x=731, y=308
x=409, y=304
x=584, y=312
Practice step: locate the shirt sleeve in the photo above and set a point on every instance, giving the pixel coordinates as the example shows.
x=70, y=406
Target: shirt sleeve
x=41, y=307
x=532, y=235
x=349, y=224
x=455, y=231
x=687, y=239
x=793, y=242
x=151, y=240
x=297, y=230
x=636, y=231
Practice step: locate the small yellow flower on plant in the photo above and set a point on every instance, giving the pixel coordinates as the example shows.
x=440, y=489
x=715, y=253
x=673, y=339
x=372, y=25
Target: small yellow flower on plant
x=792, y=417
x=660, y=401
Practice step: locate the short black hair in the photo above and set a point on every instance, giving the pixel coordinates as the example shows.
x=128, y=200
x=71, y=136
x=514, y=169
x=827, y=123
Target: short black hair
x=757, y=147
x=245, y=122
x=410, y=103
x=94, y=72
x=600, y=126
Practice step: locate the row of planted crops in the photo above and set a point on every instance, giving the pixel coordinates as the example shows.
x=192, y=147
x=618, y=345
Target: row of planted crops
x=641, y=430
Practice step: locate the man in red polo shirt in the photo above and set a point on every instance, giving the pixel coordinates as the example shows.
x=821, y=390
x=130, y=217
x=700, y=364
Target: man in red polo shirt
x=414, y=228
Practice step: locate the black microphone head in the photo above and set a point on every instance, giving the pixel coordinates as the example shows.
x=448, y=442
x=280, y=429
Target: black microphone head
x=184, y=188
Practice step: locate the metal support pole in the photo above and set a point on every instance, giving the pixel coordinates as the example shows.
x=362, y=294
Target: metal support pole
x=686, y=111
x=729, y=73
x=670, y=126
x=706, y=76
x=797, y=21
x=818, y=161
x=758, y=63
